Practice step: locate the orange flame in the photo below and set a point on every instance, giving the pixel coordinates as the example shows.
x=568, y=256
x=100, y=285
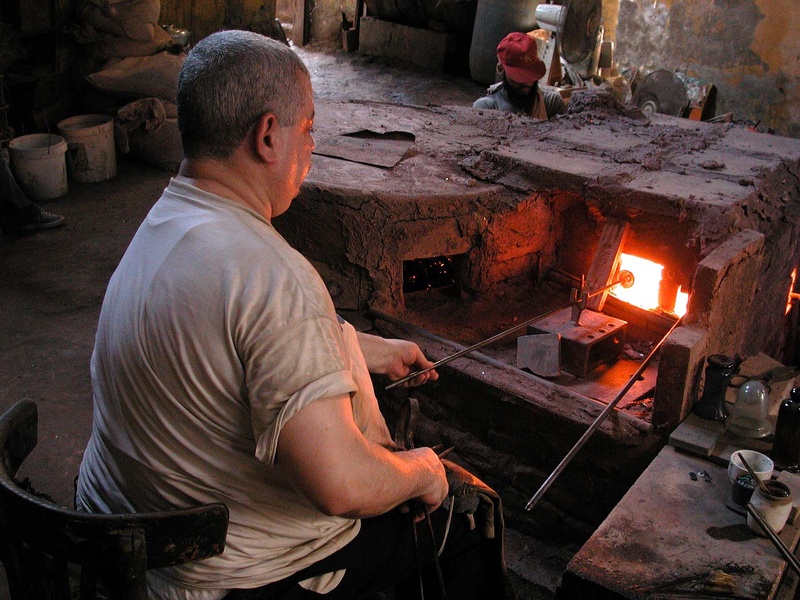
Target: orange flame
x=681, y=302
x=644, y=292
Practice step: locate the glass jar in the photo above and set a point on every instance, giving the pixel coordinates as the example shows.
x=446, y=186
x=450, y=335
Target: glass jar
x=750, y=418
x=742, y=490
x=774, y=505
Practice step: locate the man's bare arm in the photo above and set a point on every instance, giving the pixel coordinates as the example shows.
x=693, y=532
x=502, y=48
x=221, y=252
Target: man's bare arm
x=344, y=474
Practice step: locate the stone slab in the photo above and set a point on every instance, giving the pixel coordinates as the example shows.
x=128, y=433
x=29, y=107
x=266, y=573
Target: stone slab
x=696, y=435
x=669, y=534
x=541, y=353
x=656, y=167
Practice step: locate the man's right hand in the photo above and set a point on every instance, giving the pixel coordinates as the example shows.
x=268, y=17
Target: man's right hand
x=438, y=479
x=344, y=474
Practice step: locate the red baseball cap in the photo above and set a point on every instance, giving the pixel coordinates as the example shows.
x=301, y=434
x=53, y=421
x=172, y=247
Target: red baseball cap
x=520, y=59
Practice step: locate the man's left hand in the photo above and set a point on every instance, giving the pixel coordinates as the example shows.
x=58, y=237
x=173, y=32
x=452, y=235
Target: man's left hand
x=395, y=359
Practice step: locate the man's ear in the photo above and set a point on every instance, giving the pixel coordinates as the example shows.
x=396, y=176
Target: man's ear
x=264, y=132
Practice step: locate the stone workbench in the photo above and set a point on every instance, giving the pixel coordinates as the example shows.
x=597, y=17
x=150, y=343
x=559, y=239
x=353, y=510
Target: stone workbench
x=670, y=537
x=671, y=531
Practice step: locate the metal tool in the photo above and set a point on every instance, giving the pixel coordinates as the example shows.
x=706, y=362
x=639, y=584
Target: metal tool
x=578, y=297
x=794, y=563
x=404, y=437
x=444, y=453
x=596, y=424
x=625, y=279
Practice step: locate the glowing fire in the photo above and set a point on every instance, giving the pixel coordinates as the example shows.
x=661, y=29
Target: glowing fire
x=644, y=292
x=681, y=302
x=792, y=295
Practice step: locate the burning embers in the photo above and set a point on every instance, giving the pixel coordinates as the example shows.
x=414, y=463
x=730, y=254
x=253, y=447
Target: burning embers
x=428, y=273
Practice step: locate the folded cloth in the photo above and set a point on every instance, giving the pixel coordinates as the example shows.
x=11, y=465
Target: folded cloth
x=148, y=129
x=148, y=114
x=469, y=497
x=472, y=498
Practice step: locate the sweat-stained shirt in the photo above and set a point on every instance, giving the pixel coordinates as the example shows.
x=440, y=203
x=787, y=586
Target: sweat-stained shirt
x=213, y=333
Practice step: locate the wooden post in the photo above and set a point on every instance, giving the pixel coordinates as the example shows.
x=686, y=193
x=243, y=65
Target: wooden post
x=606, y=258
x=554, y=72
x=301, y=27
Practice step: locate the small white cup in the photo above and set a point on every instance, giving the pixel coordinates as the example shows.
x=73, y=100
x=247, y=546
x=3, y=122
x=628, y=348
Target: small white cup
x=761, y=464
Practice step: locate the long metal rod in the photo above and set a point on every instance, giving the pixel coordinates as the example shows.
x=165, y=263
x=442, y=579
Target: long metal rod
x=481, y=344
x=443, y=361
x=596, y=424
x=774, y=538
x=479, y=356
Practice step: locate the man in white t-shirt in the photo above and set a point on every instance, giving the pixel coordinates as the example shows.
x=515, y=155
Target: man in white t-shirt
x=221, y=371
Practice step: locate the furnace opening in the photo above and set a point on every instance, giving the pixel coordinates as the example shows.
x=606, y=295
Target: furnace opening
x=438, y=272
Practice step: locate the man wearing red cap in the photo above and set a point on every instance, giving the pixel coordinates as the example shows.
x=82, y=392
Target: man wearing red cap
x=518, y=92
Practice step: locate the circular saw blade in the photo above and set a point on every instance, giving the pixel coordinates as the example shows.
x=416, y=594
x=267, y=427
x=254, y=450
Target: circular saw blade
x=663, y=92
x=579, y=33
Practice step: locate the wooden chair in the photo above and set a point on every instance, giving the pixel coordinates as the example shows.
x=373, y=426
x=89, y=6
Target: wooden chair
x=50, y=552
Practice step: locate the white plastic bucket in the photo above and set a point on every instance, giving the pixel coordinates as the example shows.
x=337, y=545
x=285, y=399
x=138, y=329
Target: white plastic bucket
x=91, y=155
x=39, y=164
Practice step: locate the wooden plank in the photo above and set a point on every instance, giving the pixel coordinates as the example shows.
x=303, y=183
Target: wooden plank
x=605, y=259
x=301, y=31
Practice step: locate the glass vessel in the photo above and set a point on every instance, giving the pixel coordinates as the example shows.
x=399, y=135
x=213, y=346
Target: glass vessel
x=786, y=448
x=718, y=374
x=750, y=417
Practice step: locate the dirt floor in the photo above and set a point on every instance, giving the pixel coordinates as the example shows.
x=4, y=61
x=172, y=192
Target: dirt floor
x=53, y=284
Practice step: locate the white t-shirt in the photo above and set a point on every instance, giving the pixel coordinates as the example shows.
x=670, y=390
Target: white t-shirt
x=214, y=332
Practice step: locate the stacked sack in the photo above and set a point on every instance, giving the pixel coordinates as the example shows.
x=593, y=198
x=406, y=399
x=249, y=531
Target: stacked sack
x=139, y=64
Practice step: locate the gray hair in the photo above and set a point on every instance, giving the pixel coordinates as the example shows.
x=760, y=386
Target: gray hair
x=229, y=80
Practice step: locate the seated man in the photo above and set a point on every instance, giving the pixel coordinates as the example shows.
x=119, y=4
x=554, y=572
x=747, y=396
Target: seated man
x=518, y=92
x=222, y=373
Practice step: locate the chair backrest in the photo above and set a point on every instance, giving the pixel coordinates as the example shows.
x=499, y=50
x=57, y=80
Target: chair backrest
x=44, y=547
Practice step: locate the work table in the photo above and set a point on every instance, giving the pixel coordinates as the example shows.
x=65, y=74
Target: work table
x=670, y=534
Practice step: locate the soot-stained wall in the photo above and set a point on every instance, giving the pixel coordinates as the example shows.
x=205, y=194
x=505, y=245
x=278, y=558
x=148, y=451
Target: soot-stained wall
x=749, y=49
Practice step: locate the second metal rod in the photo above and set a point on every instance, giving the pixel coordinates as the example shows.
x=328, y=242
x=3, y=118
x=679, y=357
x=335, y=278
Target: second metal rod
x=594, y=426
x=481, y=344
x=625, y=279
